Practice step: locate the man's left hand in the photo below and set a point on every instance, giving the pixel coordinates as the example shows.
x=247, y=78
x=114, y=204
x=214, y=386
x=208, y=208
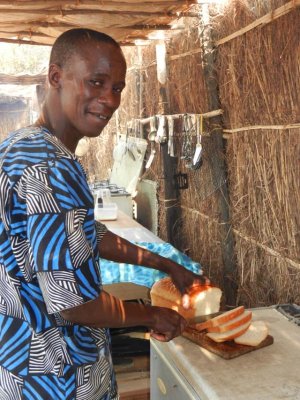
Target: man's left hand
x=185, y=281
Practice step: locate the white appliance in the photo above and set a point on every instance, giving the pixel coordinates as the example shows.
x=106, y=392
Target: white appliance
x=118, y=195
x=182, y=370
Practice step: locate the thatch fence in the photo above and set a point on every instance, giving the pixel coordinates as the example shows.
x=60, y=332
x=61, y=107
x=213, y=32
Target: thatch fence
x=257, y=73
x=14, y=113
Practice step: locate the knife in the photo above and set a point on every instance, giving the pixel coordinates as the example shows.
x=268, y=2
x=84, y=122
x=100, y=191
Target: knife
x=203, y=321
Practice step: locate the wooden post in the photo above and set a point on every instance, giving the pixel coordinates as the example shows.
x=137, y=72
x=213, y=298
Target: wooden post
x=219, y=168
x=168, y=169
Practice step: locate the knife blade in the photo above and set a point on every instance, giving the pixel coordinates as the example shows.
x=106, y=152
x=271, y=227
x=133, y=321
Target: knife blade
x=202, y=322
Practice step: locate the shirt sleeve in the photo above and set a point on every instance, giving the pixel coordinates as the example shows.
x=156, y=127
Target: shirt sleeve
x=101, y=230
x=62, y=234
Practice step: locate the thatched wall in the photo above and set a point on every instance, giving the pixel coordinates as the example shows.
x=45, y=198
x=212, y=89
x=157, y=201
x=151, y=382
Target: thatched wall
x=259, y=85
x=40, y=22
x=14, y=113
x=258, y=79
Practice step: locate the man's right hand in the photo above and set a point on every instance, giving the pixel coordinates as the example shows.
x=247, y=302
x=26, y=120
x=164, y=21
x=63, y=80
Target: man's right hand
x=107, y=311
x=167, y=324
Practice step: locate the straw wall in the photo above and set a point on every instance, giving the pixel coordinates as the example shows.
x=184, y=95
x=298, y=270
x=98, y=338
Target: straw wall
x=258, y=79
x=195, y=230
x=259, y=85
x=99, y=159
x=13, y=115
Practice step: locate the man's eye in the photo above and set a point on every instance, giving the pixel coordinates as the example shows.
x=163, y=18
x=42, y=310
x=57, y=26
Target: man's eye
x=118, y=89
x=96, y=83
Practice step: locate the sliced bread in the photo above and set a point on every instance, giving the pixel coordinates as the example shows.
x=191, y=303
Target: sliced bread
x=255, y=334
x=219, y=320
x=242, y=319
x=229, y=335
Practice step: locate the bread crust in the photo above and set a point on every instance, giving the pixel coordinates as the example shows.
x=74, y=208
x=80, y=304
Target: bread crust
x=166, y=288
x=241, y=319
x=160, y=301
x=220, y=319
x=226, y=336
x=204, y=299
x=257, y=332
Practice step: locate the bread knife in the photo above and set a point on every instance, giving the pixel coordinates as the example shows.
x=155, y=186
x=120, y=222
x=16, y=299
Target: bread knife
x=201, y=322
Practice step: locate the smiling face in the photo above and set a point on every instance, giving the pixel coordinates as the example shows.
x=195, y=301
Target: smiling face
x=89, y=90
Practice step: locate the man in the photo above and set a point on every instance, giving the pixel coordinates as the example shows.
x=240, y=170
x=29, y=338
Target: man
x=54, y=314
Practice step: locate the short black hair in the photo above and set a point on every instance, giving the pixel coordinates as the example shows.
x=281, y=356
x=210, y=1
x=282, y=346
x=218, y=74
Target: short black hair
x=70, y=42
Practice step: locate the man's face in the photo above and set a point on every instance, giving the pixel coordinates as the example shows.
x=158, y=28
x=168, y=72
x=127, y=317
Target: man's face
x=90, y=90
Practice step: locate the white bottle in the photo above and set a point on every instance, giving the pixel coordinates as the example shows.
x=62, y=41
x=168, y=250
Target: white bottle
x=104, y=208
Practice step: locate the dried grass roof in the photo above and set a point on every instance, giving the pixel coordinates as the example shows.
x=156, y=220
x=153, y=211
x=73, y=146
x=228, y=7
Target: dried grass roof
x=40, y=21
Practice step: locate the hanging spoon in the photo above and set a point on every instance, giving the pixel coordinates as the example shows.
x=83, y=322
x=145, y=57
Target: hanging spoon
x=197, y=159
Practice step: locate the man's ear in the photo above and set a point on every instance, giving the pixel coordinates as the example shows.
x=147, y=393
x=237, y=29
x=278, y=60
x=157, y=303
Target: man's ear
x=54, y=75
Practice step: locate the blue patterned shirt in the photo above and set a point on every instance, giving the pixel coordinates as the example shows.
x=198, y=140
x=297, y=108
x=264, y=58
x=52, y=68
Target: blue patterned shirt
x=49, y=262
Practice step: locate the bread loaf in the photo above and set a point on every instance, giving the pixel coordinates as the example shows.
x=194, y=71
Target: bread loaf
x=255, y=334
x=204, y=299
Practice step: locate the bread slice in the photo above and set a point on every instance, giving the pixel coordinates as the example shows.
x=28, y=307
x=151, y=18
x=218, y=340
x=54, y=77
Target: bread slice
x=220, y=337
x=255, y=334
x=242, y=319
x=205, y=299
x=219, y=320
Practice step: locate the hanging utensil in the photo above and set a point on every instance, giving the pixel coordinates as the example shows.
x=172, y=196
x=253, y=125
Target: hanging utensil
x=153, y=129
x=188, y=144
x=197, y=159
x=120, y=148
x=151, y=138
x=161, y=135
x=184, y=137
x=82, y=147
x=128, y=142
x=139, y=134
x=171, y=136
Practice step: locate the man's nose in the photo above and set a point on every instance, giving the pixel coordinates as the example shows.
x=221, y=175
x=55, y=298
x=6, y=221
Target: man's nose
x=109, y=98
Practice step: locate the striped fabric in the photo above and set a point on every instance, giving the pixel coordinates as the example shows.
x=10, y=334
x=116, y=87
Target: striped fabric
x=48, y=262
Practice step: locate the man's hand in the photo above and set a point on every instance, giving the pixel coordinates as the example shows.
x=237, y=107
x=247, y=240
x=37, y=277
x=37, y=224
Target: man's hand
x=167, y=324
x=107, y=311
x=185, y=281
x=115, y=248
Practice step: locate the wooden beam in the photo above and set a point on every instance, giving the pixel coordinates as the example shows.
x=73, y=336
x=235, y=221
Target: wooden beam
x=147, y=27
x=46, y=24
x=208, y=114
x=218, y=165
x=266, y=19
x=36, y=4
x=262, y=127
x=9, y=27
x=22, y=41
x=268, y=250
x=64, y=12
x=169, y=165
x=22, y=79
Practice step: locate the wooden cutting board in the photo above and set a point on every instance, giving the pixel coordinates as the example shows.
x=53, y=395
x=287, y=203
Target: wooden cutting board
x=227, y=350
